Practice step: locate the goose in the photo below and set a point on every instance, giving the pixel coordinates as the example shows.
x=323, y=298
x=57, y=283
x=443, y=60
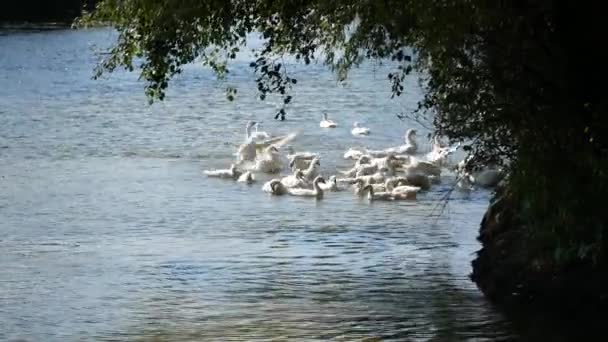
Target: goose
x=364, y=166
x=358, y=186
x=246, y=177
x=331, y=185
x=295, y=181
x=440, y=152
x=259, y=136
x=327, y=123
x=376, y=178
x=366, y=170
x=358, y=130
x=346, y=180
x=411, y=146
x=418, y=179
x=389, y=184
x=360, y=170
x=405, y=192
x=487, y=178
x=376, y=196
x=274, y=187
x=465, y=182
x=380, y=187
x=232, y=172
x=390, y=162
x=315, y=192
x=247, y=151
x=299, y=160
x=269, y=161
x=421, y=166
x=352, y=154
x=313, y=170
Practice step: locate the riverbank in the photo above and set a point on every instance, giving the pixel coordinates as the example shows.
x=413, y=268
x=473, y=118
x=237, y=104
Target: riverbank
x=515, y=271
x=44, y=11
x=33, y=26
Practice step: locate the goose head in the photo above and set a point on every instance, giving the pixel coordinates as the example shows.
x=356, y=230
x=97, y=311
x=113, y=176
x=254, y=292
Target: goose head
x=250, y=124
x=315, y=163
x=356, y=124
x=275, y=185
x=410, y=134
x=370, y=190
x=365, y=159
x=299, y=174
x=249, y=176
x=436, y=142
x=359, y=182
x=318, y=180
x=248, y=127
x=272, y=149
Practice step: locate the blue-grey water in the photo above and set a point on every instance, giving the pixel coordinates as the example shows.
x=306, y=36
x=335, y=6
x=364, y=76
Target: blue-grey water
x=110, y=231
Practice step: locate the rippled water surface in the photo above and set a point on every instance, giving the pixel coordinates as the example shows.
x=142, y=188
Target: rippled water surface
x=109, y=230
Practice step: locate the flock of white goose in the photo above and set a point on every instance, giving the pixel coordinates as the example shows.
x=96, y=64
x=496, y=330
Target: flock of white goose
x=394, y=173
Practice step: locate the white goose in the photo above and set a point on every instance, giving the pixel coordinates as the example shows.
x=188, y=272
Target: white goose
x=410, y=147
x=440, y=152
x=423, y=167
x=389, y=184
x=313, y=170
x=299, y=160
x=360, y=170
x=353, y=154
x=246, y=177
x=315, y=192
x=330, y=185
x=418, y=179
x=232, y=172
x=359, y=130
x=487, y=178
x=359, y=187
x=274, y=187
x=327, y=123
x=377, y=196
x=405, y=192
x=269, y=161
x=376, y=178
x=259, y=136
x=295, y=181
x=247, y=151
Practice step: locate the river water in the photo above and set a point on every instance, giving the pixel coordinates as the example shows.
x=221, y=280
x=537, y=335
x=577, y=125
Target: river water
x=110, y=231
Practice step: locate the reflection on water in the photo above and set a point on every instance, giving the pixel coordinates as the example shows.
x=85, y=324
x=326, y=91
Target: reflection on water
x=109, y=231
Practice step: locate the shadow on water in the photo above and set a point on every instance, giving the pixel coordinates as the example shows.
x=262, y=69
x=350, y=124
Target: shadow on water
x=317, y=298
